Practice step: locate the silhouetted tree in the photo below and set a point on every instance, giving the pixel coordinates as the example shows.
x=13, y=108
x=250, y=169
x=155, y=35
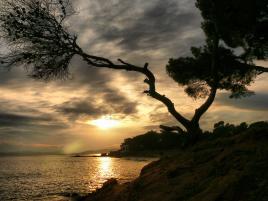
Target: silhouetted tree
x=221, y=128
x=37, y=37
x=239, y=23
x=227, y=25
x=204, y=74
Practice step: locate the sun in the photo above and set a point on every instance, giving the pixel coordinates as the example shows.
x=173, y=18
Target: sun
x=104, y=123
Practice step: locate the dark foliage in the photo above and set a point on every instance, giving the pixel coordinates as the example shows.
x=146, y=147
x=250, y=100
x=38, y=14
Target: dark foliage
x=239, y=23
x=153, y=141
x=36, y=36
x=196, y=73
x=236, y=24
x=221, y=128
x=215, y=66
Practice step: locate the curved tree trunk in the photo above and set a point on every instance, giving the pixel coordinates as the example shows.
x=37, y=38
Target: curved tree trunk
x=194, y=131
x=192, y=126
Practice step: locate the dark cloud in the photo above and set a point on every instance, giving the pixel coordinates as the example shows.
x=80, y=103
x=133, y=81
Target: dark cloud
x=84, y=75
x=256, y=102
x=119, y=103
x=7, y=119
x=18, y=129
x=112, y=103
x=16, y=107
x=75, y=108
x=19, y=125
x=145, y=25
x=81, y=75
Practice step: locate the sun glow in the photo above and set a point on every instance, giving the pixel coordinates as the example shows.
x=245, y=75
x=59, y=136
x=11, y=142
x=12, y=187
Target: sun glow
x=104, y=123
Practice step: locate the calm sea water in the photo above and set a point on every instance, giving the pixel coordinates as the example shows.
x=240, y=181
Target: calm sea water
x=51, y=178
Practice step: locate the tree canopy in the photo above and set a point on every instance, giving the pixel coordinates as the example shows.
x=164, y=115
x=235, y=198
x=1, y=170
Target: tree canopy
x=196, y=73
x=37, y=37
x=227, y=25
x=220, y=64
x=239, y=23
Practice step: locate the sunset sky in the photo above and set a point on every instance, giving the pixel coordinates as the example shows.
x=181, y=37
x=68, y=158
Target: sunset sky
x=60, y=115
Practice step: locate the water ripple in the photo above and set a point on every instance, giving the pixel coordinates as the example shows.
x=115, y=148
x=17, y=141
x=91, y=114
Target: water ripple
x=55, y=178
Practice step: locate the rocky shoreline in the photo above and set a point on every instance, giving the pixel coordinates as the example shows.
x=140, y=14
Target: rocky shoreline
x=232, y=167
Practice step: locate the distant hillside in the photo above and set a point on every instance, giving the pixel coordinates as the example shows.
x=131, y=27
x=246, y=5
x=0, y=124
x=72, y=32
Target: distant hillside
x=228, y=165
x=97, y=151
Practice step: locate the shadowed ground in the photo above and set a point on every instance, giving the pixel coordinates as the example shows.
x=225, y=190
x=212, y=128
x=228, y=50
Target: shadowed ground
x=232, y=167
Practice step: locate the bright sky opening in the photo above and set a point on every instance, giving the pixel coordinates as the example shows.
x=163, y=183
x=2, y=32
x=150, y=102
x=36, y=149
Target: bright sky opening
x=105, y=123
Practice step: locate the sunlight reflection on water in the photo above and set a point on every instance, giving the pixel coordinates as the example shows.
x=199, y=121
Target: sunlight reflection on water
x=48, y=177
x=105, y=167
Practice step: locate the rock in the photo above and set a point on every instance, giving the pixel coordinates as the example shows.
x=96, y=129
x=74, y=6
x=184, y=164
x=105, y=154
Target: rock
x=223, y=168
x=110, y=183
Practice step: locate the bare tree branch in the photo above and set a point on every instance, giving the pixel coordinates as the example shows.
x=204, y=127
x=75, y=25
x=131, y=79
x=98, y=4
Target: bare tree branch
x=150, y=80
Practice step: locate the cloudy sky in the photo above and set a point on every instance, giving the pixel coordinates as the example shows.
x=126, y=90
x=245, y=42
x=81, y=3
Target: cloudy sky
x=57, y=115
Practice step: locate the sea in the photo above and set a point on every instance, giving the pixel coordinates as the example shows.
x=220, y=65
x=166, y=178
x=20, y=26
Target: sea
x=57, y=178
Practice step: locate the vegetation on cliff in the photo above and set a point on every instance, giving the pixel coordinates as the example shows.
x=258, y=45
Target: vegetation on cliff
x=163, y=143
x=229, y=164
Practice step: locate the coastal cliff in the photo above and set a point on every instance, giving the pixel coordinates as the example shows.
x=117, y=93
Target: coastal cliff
x=227, y=167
